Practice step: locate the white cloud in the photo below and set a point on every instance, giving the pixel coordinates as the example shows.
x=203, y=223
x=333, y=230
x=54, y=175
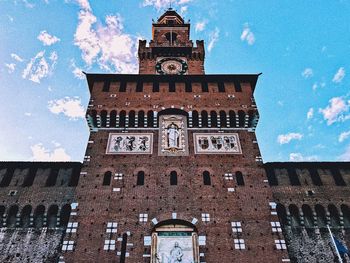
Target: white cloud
x=247, y=35
x=78, y=72
x=307, y=73
x=298, y=157
x=47, y=39
x=84, y=4
x=164, y=4
x=338, y=77
x=28, y=114
x=71, y=107
x=213, y=38
x=346, y=155
x=107, y=45
x=200, y=26
x=286, y=138
x=40, y=153
x=39, y=68
x=10, y=67
x=16, y=57
x=336, y=111
x=310, y=113
x=183, y=9
x=343, y=136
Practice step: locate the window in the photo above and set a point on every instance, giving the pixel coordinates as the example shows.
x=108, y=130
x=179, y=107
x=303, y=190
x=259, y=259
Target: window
x=140, y=178
x=172, y=87
x=112, y=227
x=213, y=119
x=195, y=121
x=236, y=227
x=107, y=178
x=173, y=178
x=67, y=245
x=106, y=86
x=276, y=227
x=206, y=178
x=228, y=176
x=204, y=115
x=122, y=87
x=109, y=245
x=205, y=87
x=118, y=176
x=150, y=119
x=122, y=117
x=239, y=178
x=132, y=118
x=72, y=227
x=205, y=217
x=143, y=218
x=141, y=119
x=239, y=244
x=280, y=244
x=139, y=86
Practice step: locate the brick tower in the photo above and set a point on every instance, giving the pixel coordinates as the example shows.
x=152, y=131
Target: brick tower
x=172, y=171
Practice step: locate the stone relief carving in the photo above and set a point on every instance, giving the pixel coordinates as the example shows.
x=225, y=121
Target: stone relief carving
x=173, y=135
x=217, y=143
x=175, y=249
x=130, y=143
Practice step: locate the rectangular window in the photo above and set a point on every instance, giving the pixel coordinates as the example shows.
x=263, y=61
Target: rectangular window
x=205, y=87
x=239, y=244
x=205, y=217
x=112, y=227
x=72, y=227
x=228, y=176
x=172, y=87
x=67, y=245
x=276, y=227
x=280, y=244
x=118, y=176
x=155, y=86
x=143, y=218
x=106, y=86
x=139, y=86
x=109, y=245
x=236, y=227
x=122, y=87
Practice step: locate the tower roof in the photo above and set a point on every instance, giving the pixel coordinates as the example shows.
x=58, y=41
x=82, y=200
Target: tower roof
x=170, y=17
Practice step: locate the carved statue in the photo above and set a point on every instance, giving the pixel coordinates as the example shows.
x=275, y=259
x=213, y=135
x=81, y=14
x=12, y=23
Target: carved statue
x=176, y=254
x=173, y=136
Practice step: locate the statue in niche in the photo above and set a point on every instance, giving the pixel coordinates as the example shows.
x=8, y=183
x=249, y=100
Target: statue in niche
x=176, y=254
x=173, y=136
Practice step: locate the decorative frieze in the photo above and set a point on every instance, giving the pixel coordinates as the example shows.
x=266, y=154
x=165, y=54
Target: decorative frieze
x=131, y=143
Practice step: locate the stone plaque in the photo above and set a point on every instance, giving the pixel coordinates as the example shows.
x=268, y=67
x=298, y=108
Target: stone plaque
x=130, y=143
x=216, y=143
x=173, y=135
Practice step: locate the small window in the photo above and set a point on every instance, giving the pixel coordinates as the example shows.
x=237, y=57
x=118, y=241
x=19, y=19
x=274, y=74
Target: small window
x=239, y=178
x=172, y=87
x=221, y=87
x=139, y=86
x=140, y=178
x=205, y=87
x=188, y=86
x=173, y=178
x=206, y=178
x=122, y=86
x=106, y=86
x=155, y=86
x=107, y=178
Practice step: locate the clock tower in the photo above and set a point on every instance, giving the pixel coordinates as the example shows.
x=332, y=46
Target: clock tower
x=171, y=52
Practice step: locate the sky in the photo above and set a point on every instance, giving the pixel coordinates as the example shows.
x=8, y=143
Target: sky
x=301, y=47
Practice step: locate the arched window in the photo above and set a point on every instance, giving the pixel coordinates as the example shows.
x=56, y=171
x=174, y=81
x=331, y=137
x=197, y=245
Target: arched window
x=204, y=115
x=195, y=121
x=64, y=216
x=282, y=214
x=223, y=122
x=140, y=178
x=334, y=216
x=213, y=119
x=141, y=119
x=107, y=178
x=25, y=216
x=11, y=217
x=94, y=117
x=39, y=216
x=103, y=118
x=232, y=116
x=150, y=118
x=122, y=116
x=294, y=214
x=308, y=216
x=113, y=119
x=51, y=180
x=241, y=116
x=239, y=178
x=251, y=120
x=206, y=178
x=321, y=216
x=173, y=178
x=132, y=118
x=29, y=178
x=52, y=216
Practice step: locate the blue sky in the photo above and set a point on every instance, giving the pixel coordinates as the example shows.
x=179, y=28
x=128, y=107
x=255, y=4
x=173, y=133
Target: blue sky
x=301, y=47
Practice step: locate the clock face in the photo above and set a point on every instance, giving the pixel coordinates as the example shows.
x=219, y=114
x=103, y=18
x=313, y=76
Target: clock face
x=171, y=66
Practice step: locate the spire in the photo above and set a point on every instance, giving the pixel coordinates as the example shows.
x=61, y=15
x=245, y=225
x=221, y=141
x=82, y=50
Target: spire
x=170, y=17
